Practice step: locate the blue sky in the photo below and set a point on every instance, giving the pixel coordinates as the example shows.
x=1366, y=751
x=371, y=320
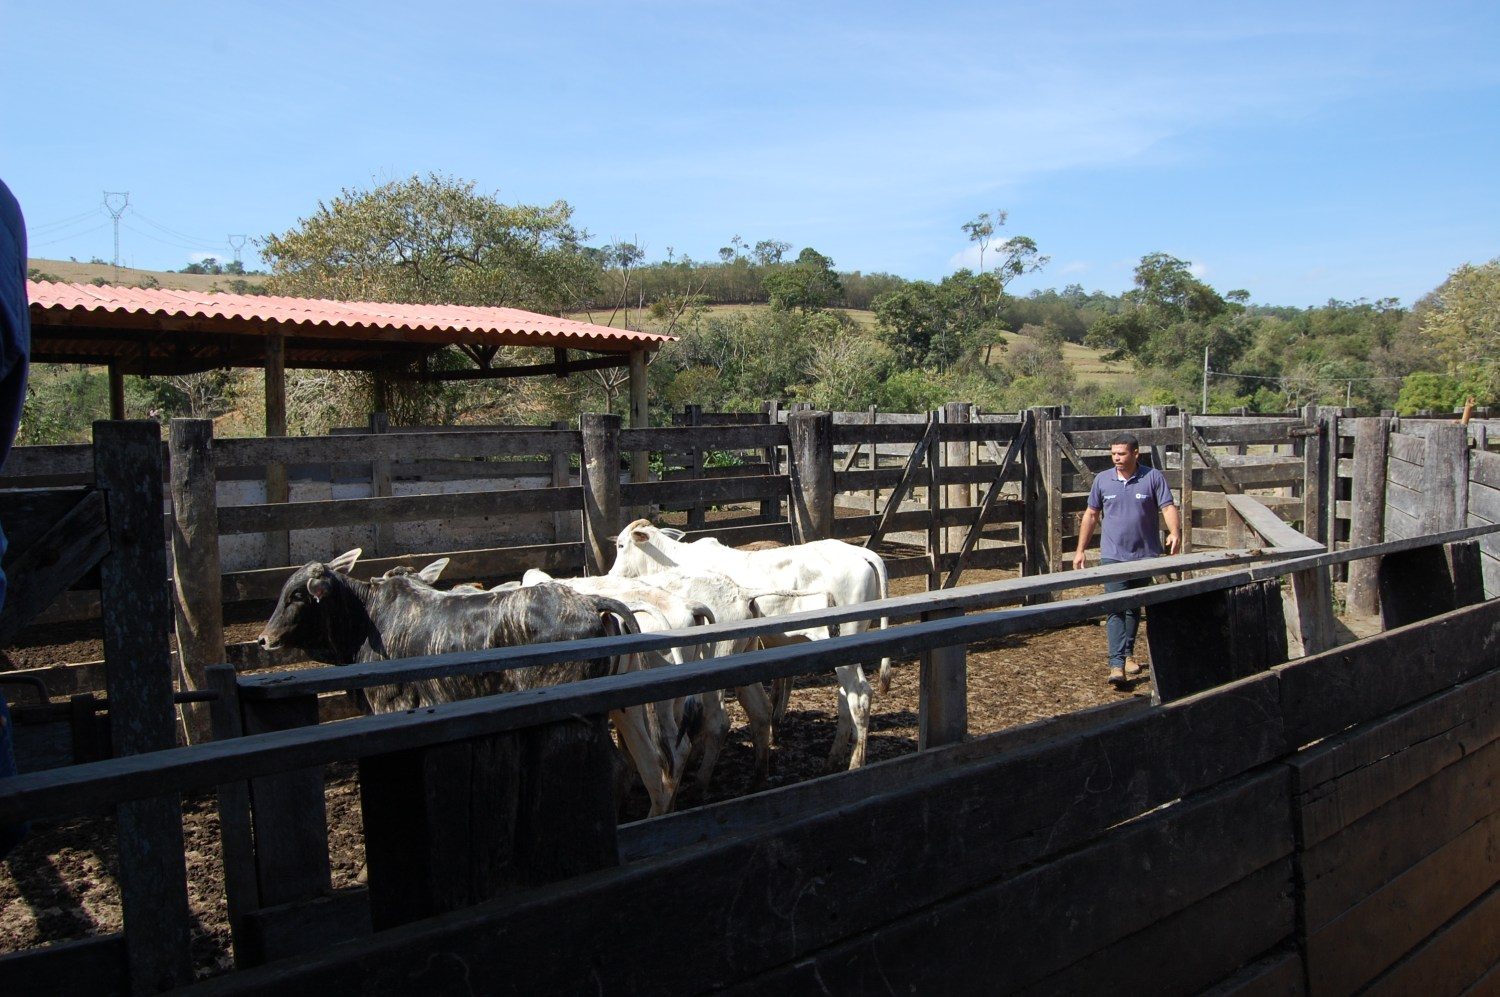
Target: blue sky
x=1300, y=151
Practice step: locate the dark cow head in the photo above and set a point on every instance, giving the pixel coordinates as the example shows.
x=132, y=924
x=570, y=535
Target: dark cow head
x=319, y=612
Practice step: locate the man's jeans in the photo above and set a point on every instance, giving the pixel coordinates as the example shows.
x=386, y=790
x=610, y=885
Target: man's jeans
x=1122, y=626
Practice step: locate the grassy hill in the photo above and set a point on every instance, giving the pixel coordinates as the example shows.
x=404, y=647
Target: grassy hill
x=86, y=273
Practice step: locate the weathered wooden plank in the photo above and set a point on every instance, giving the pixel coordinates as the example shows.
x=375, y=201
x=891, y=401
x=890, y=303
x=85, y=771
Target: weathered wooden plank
x=1367, y=509
x=1451, y=959
x=1273, y=432
x=1212, y=639
x=1399, y=525
x=1411, y=449
x=1076, y=916
x=683, y=438
x=1484, y=502
x=993, y=816
x=1414, y=585
x=95, y=965
x=1329, y=692
x=289, y=810
x=452, y=825
x=465, y=565
x=702, y=490
x=1352, y=949
x=395, y=509
x=289, y=930
x=1356, y=862
x=1088, y=439
x=768, y=809
x=1279, y=974
x=1484, y=469
x=919, y=455
x=196, y=588
x=1340, y=780
x=1445, y=478
x=393, y=446
x=1187, y=951
x=53, y=562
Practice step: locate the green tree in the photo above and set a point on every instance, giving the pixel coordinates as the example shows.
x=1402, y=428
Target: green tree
x=810, y=284
x=1465, y=326
x=433, y=240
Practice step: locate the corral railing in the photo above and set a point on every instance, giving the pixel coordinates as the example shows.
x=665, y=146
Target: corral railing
x=1061, y=802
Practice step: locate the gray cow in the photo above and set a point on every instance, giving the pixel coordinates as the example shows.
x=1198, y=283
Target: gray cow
x=341, y=620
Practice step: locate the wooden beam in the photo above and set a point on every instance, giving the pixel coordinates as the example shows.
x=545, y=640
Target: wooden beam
x=196, y=566
x=116, y=391
x=532, y=370
x=278, y=551
x=640, y=413
x=919, y=455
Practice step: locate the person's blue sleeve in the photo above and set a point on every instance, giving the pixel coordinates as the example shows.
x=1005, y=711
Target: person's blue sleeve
x=1096, y=497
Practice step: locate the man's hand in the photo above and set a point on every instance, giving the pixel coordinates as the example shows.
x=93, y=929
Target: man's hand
x=1173, y=542
x=1078, y=561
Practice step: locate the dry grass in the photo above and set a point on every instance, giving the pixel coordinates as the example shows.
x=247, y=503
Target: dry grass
x=83, y=273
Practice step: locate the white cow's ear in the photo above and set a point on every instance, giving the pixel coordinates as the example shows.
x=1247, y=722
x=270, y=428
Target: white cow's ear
x=534, y=576
x=672, y=533
x=345, y=561
x=433, y=571
x=639, y=536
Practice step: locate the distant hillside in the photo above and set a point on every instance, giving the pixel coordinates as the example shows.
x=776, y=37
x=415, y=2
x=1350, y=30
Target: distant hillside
x=86, y=273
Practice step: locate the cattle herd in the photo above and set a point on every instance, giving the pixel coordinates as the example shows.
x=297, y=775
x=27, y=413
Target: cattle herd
x=658, y=582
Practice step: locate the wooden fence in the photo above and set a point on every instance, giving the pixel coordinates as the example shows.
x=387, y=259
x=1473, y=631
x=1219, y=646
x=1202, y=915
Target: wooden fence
x=1037, y=859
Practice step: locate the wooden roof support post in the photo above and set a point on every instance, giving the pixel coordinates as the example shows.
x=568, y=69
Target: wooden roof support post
x=278, y=551
x=640, y=415
x=196, y=584
x=599, y=472
x=116, y=391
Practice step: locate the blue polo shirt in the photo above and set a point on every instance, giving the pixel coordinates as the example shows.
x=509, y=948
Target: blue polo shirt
x=1130, y=508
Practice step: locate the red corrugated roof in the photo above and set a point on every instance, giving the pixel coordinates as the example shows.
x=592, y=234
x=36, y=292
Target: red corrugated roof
x=322, y=317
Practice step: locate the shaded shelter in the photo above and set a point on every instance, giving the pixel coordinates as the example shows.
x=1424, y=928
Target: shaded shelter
x=153, y=331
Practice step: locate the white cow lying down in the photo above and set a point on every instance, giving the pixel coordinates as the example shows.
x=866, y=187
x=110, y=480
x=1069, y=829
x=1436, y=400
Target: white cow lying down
x=848, y=574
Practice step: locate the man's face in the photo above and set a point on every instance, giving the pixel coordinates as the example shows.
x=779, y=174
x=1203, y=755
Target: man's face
x=1124, y=457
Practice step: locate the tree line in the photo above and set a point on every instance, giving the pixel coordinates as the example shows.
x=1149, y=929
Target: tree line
x=836, y=339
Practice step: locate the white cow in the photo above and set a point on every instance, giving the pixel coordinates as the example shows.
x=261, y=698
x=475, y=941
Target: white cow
x=848, y=575
x=727, y=603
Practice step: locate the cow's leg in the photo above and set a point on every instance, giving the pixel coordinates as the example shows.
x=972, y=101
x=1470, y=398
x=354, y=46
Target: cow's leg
x=715, y=733
x=854, y=717
x=781, y=689
x=641, y=735
x=758, y=710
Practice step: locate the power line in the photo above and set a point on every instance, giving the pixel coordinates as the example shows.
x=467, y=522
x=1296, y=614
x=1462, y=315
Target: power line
x=70, y=235
x=62, y=222
x=197, y=242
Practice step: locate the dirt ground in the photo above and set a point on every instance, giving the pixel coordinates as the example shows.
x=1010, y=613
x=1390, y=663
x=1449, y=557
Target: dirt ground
x=60, y=883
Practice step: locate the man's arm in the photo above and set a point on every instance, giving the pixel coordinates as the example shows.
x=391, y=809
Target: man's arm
x=1085, y=534
x=1174, y=527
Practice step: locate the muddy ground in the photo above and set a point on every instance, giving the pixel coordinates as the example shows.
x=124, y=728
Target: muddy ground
x=60, y=883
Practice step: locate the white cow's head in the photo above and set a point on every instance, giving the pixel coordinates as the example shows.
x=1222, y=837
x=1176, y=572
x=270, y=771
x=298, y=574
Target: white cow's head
x=641, y=549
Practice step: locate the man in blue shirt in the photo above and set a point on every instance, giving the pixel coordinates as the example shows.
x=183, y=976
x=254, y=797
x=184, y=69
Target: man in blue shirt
x=1129, y=500
x=15, y=348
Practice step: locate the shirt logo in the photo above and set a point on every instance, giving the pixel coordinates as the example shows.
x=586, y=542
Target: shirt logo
x=1140, y=495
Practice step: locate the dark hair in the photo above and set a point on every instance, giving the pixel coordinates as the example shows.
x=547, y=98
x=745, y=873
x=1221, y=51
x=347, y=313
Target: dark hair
x=1128, y=439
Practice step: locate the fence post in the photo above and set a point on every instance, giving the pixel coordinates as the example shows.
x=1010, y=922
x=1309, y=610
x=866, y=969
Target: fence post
x=380, y=485
x=693, y=416
x=1312, y=474
x=811, y=437
x=1445, y=478
x=956, y=454
x=1367, y=512
x=196, y=578
x=278, y=550
x=934, y=510
x=138, y=674
x=561, y=521
x=1186, y=512
x=874, y=463
x=600, y=473
x=236, y=837
x=943, y=692
x=770, y=508
x=1333, y=449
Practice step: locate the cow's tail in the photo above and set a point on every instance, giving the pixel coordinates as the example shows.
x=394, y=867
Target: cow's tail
x=883, y=583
